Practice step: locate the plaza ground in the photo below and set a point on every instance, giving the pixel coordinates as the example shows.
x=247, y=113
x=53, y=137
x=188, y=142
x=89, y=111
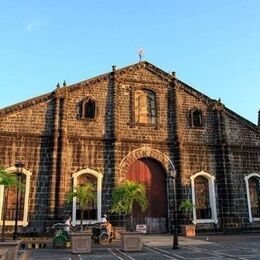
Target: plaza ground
x=236, y=246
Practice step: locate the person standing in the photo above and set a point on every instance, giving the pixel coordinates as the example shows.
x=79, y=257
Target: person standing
x=67, y=227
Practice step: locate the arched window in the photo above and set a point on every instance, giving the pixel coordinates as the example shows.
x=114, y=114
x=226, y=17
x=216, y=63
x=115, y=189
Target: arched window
x=145, y=106
x=253, y=196
x=203, y=197
x=202, y=205
x=196, y=118
x=86, y=109
x=11, y=200
x=23, y=198
x=93, y=212
x=254, y=193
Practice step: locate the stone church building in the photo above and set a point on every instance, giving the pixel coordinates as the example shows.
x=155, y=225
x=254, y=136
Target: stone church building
x=138, y=123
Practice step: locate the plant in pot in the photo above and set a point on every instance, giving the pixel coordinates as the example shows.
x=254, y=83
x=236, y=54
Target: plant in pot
x=187, y=207
x=9, y=181
x=124, y=197
x=84, y=195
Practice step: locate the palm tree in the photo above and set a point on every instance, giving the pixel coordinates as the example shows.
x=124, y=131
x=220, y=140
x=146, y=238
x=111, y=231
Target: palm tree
x=126, y=195
x=85, y=194
x=9, y=181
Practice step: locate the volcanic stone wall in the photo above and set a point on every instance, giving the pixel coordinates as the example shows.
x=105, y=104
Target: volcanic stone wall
x=26, y=136
x=46, y=134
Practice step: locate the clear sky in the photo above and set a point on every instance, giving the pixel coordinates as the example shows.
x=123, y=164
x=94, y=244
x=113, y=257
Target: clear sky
x=214, y=46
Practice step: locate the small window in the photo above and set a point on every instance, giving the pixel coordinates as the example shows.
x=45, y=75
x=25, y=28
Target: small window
x=196, y=118
x=89, y=109
x=86, y=109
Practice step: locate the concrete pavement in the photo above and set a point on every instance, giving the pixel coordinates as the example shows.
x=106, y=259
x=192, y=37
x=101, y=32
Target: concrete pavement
x=240, y=246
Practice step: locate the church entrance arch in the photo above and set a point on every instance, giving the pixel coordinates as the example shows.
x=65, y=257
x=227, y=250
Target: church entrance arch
x=151, y=173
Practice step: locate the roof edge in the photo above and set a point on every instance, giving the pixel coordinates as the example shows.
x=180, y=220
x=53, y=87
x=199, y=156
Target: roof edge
x=236, y=116
x=25, y=104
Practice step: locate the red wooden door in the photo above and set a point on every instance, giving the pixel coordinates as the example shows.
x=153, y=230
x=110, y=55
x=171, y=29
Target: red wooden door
x=151, y=173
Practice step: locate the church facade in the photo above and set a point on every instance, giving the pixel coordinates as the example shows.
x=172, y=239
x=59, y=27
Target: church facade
x=138, y=123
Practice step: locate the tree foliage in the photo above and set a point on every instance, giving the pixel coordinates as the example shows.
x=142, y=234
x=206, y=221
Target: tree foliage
x=126, y=195
x=187, y=207
x=85, y=194
x=9, y=180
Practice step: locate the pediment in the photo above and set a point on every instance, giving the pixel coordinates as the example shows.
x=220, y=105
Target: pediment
x=141, y=70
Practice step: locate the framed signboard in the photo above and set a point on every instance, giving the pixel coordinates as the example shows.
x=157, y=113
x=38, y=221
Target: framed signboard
x=141, y=228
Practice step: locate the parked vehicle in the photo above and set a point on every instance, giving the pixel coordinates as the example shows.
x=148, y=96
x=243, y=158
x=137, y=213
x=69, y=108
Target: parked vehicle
x=60, y=235
x=101, y=233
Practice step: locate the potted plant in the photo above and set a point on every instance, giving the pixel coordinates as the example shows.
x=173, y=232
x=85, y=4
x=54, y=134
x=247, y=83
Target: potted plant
x=187, y=207
x=9, y=181
x=84, y=194
x=124, y=197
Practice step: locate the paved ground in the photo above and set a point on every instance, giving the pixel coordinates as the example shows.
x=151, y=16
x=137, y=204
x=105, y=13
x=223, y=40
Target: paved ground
x=159, y=247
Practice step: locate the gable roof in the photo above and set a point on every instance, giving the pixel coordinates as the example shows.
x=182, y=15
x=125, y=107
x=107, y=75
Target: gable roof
x=93, y=80
x=143, y=64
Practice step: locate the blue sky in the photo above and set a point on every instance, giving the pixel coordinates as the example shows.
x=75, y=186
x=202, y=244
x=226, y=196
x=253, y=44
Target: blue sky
x=212, y=45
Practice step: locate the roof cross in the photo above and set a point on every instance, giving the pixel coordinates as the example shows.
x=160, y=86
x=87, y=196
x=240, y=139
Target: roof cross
x=141, y=54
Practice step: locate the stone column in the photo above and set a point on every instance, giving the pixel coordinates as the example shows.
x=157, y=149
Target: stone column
x=62, y=188
x=53, y=173
x=223, y=169
x=174, y=144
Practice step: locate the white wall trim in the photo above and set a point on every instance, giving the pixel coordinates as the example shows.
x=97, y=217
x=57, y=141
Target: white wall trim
x=212, y=197
x=99, y=177
x=24, y=222
x=246, y=178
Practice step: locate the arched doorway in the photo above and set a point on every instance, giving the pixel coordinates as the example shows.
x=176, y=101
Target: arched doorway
x=151, y=173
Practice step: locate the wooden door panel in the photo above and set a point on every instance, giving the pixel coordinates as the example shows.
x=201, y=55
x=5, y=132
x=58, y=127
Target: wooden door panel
x=151, y=173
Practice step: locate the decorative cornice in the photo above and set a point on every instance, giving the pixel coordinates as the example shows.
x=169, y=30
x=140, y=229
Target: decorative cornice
x=129, y=80
x=89, y=82
x=243, y=120
x=23, y=134
x=219, y=145
x=190, y=90
x=25, y=104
